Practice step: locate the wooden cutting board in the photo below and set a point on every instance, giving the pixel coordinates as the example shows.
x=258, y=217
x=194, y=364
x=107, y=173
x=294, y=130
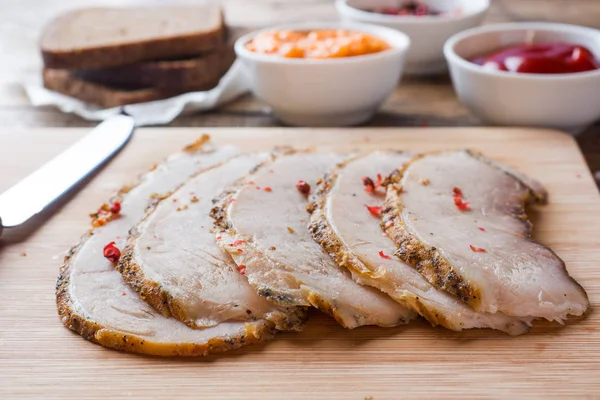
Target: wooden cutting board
x=41, y=359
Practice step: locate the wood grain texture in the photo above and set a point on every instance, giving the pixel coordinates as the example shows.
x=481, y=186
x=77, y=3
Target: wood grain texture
x=39, y=358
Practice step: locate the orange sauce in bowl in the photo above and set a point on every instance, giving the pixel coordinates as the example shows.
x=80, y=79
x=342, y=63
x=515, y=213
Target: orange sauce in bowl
x=317, y=44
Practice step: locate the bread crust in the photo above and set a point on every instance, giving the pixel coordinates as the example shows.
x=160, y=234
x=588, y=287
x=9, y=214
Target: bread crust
x=62, y=81
x=127, y=52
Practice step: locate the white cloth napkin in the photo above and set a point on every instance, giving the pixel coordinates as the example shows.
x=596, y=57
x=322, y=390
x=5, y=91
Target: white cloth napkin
x=160, y=112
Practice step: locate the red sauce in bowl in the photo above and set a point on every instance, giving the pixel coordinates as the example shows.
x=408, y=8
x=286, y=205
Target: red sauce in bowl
x=541, y=58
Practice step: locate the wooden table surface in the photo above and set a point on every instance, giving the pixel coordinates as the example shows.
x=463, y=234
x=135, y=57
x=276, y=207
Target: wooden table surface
x=416, y=102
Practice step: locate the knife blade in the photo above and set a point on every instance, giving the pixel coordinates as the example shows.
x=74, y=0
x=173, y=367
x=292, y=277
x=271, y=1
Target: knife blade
x=34, y=193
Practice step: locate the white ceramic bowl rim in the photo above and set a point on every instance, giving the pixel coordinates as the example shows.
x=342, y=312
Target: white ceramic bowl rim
x=452, y=57
x=400, y=42
x=409, y=19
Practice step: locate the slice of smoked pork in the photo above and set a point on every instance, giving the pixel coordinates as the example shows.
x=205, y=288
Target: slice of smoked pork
x=459, y=219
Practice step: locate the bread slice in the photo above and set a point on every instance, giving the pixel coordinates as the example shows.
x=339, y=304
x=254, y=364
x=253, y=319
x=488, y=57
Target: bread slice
x=174, y=75
x=105, y=96
x=109, y=37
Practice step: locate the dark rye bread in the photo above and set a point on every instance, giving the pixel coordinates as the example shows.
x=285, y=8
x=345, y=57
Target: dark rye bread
x=177, y=75
x=62, y=81
x=109, y=37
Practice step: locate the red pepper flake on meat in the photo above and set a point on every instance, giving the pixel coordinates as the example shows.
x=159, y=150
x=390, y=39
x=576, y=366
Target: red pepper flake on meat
x=268, y=189
x=482, y=229
x=123, y=294
x=303, y=187
x=250, y=182
x=219, y=237
x=235, y=242
x=112, y=253
x=240, y=250
x=374, y=210
x=99, y=222
x=460, y=203
x=477, y=249
x=368, y=184
x=241, y=269
x=383, y=255
x=371, y=186
x=231, y=201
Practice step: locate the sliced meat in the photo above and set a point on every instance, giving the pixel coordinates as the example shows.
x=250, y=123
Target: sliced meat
x=459, y=219
x=174, y=262
x=345, y=220
x=262, y=223
x=94, y=301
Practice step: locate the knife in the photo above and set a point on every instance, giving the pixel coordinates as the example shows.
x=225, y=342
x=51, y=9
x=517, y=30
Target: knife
x=33, y=194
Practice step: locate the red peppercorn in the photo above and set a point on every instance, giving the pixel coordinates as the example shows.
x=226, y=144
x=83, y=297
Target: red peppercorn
x=368, y=184
x=303, y=187
x=112, y=253
x=115, y=207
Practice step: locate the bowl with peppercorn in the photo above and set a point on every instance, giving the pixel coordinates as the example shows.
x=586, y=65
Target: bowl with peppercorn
x=528, y=74
x=428, y=23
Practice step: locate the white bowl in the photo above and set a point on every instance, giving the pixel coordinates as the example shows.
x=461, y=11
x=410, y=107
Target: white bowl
x=325, y=92
x=564, y=101
x=427, y=33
